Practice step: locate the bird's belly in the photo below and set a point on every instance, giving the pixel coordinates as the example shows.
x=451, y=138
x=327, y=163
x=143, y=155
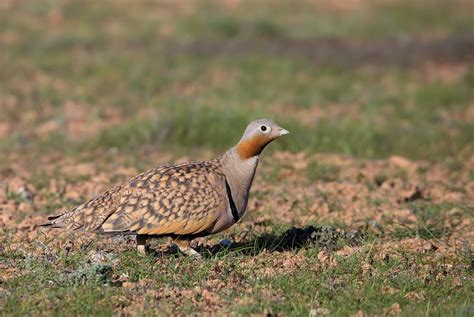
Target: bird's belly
x=222, y=224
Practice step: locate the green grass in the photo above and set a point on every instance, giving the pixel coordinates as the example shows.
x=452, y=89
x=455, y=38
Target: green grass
x=357, y=282
x=434, y=221
x=367, y=112
x=181, y=78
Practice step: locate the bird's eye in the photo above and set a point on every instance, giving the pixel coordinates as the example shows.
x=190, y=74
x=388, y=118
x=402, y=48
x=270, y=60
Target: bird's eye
x=263, y=128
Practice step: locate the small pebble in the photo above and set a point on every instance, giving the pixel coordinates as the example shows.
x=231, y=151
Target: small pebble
x=225, y=242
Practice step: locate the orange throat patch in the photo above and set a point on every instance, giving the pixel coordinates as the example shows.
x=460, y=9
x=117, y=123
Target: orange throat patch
x=251, y=147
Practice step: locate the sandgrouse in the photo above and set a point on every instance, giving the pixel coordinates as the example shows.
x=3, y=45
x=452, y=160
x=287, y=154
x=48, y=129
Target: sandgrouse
x=182, y=201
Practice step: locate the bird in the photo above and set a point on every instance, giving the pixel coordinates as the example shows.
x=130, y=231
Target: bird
x=182, y=201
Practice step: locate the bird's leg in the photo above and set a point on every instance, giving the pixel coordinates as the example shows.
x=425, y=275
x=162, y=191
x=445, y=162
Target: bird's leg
x=141, y=243
x=184, y=247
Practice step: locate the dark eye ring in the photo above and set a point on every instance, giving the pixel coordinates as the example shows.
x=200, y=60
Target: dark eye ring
x=263, y=128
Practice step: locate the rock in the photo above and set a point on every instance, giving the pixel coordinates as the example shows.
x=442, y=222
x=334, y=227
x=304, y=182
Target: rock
x=225, y=243
x=411, y=195
x=401, y=162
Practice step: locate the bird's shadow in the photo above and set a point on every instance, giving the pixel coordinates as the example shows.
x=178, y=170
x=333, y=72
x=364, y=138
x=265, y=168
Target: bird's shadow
x=295, y=238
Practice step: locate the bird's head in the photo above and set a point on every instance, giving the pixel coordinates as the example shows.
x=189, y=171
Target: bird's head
x=257, y=135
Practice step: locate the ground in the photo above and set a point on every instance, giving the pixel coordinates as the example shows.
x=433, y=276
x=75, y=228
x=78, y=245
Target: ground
x=366, y=208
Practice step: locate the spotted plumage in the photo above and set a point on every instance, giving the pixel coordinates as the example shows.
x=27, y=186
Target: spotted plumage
x=183, y=201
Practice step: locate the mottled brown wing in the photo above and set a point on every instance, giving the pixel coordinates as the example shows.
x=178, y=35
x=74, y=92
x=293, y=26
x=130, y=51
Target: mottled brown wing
x=182, y=199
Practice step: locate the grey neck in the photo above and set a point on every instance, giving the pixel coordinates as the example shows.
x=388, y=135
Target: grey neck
x=239, y=174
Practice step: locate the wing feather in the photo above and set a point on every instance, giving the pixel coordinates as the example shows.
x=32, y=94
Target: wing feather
x=171, y=199
x=186, y=199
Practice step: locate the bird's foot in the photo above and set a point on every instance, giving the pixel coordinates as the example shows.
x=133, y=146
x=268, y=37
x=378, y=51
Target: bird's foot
x=141, y=244
x=184, y=247
x=191, y=252
x=142, y=249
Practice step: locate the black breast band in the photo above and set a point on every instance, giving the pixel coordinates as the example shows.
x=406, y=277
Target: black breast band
x=235, y=214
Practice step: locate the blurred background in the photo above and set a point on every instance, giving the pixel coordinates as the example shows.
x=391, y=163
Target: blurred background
x=366, y=208
x=365, y=78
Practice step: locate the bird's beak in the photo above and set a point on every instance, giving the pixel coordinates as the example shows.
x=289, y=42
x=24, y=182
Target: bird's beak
x=283, y=132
